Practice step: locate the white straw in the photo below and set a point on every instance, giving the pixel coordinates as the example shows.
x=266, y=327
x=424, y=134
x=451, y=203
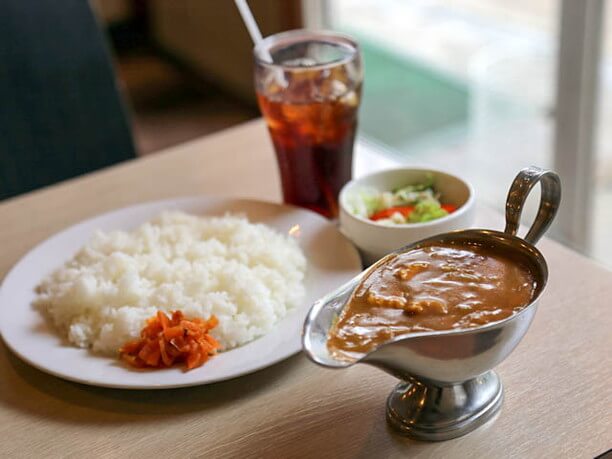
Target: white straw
x=251, y=25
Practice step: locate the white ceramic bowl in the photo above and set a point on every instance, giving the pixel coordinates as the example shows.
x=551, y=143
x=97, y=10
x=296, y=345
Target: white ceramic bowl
x=375, y=240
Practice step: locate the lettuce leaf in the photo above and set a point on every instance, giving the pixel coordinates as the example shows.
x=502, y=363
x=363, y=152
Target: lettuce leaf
x=425, y=211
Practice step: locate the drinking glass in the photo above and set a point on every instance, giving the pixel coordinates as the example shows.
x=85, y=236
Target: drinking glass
x=308, y=88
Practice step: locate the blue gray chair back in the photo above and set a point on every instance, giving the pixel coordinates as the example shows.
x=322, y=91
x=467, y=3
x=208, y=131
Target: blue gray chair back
x=61, y=114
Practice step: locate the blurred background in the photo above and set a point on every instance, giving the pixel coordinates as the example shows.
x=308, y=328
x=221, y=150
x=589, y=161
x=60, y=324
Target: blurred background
x=480, y=87
x=186, y=67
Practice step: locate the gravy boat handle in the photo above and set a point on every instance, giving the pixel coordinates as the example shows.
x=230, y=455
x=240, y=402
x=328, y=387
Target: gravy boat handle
x=549, y=201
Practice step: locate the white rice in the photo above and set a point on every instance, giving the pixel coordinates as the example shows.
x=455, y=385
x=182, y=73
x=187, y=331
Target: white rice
x=248, y=275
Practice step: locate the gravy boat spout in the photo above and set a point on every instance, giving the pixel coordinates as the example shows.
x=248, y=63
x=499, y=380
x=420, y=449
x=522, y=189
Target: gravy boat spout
x=448, y=387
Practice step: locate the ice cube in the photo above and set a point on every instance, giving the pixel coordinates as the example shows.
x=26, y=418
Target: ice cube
x=337, y=89
x=350, y=99
x=300, y=62
x=274, y=83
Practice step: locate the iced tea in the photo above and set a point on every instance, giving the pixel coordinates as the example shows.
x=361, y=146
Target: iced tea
x=309, y=99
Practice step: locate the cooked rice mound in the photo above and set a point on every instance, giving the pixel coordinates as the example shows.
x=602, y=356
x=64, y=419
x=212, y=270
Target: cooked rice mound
x=248, y=275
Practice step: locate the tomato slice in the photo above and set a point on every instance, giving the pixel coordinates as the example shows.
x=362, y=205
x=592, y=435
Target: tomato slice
x=386, y=213
x=450, y=208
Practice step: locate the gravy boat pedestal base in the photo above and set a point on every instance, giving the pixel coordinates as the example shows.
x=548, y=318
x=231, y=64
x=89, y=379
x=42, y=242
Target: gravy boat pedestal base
x=431, y=412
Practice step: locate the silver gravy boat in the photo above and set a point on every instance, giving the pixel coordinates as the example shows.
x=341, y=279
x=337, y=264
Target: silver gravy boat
x=448, y=387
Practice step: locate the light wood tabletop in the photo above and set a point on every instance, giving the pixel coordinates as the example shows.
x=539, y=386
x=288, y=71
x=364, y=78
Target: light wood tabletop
x=558, y=382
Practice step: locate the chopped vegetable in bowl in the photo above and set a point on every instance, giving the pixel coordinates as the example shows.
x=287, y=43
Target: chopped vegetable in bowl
x=416, y=203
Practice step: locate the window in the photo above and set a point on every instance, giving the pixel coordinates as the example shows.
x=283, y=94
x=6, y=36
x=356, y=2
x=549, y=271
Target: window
x=471, y=86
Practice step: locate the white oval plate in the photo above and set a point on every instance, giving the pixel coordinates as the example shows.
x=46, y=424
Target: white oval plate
x=332, y=260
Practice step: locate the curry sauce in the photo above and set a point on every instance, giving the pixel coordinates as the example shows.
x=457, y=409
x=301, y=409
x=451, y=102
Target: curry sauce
x=440, y=287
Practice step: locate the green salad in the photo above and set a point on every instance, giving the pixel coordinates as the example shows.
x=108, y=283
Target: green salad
x=415, y=203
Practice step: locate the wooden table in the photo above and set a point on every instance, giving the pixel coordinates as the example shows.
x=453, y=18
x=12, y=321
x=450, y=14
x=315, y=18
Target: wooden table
x=558, y=381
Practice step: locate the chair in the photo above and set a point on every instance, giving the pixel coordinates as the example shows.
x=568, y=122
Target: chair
x=61, y=114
